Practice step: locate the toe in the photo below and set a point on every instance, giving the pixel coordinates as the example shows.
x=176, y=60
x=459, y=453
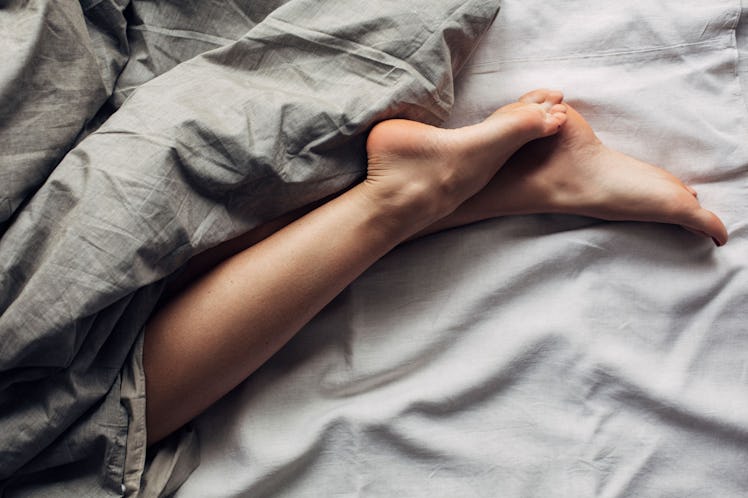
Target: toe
x=542, y=96
x=558, y=109
x=556, y=118
x=560, y=117
x=706, y=222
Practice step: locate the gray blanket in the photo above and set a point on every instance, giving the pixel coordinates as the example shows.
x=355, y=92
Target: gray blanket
x=124, y=152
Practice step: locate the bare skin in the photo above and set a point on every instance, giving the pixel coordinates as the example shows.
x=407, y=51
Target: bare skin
x=215, y=333
x=462, y=160
x=537, y=114
x=212, y=335
x=572, y=172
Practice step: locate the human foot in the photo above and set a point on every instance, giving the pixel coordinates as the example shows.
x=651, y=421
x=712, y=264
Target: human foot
x=574, y=173
x=432, y=170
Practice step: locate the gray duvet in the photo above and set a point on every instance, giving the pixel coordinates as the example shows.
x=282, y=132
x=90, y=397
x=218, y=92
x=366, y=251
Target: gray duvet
x=124, y=152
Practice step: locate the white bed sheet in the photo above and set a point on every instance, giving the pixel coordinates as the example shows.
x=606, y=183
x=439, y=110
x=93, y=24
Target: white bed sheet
x=537, y=356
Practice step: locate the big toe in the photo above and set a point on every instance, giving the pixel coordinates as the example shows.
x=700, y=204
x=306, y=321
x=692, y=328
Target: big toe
x=708, y=223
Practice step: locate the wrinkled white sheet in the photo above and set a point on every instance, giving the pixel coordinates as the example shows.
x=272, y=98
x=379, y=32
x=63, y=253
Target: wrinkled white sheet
x=538, y=356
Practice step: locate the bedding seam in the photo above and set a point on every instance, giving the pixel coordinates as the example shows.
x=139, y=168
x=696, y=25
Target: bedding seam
x=185, y=34
x=619, y=53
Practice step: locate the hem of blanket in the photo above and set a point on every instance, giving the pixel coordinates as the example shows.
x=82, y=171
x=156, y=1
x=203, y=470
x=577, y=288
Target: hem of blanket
x=161, y=469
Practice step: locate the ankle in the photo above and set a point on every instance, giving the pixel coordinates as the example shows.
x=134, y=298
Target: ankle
x=407, y=208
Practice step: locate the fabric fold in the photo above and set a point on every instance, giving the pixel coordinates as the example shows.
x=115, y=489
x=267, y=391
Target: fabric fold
x=198, y=155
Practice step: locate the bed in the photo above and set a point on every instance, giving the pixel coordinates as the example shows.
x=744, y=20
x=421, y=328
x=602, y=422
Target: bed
x=542, y=355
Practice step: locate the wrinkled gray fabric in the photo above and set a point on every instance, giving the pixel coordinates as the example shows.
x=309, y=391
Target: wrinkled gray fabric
x=202, y=148
x=60, y=62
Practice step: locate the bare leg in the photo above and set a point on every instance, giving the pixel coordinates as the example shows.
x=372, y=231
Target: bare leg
x=214, y=334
